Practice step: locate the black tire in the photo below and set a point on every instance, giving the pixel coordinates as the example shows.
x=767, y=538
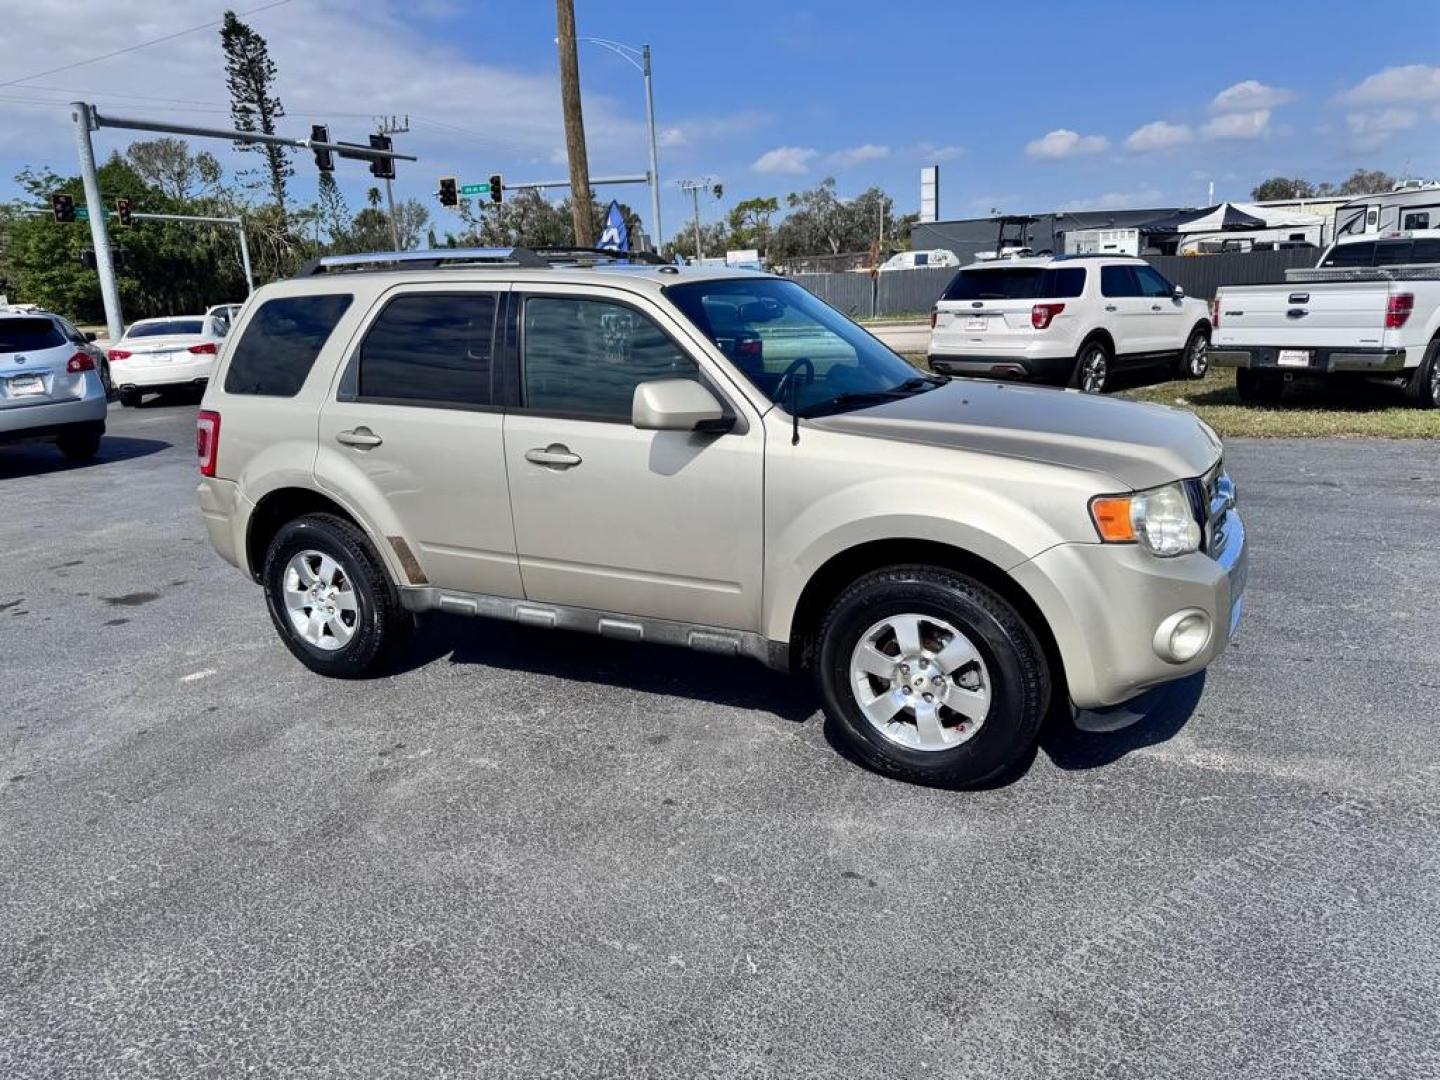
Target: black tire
x=1093, y=367
x=105, y=379
x=1259, y=387
x=1193, y=364
x=130, y=399
x=79, y=445
x=1014, y=663
x=1423, y=389
x=382, y=627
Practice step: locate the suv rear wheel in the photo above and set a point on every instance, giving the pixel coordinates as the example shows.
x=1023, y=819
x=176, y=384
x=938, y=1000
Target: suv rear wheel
x=929, y=676
x=1092, y=368
x=331, y=599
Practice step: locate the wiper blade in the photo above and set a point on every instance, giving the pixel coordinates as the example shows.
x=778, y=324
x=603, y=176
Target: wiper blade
x=909, y=387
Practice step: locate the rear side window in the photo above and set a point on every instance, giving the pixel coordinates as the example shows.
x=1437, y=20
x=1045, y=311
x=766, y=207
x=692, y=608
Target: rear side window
x=1118, y=281
x=1017, y=283
x=1361, y=254
x=280, y=344
x=29, y=335
x=430, y=348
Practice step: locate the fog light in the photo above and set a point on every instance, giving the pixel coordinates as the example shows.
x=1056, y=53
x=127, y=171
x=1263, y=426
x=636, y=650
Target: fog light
x=1183, y=636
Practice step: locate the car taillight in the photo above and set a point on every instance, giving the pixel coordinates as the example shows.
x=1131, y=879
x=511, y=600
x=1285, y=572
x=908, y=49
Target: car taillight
x=207, y=347
x=934, y=314
x=207, y=440
x=118, y=354
x=749, y=347
x=1215, y=313
x=81, y=361
x=1041, y=314
x=1397, y=311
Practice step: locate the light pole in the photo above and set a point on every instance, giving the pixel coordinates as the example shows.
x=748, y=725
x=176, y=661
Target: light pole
x=639, y=59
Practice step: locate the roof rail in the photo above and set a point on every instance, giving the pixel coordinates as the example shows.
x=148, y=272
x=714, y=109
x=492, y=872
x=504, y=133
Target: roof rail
x=588, y=254
x=517, y=256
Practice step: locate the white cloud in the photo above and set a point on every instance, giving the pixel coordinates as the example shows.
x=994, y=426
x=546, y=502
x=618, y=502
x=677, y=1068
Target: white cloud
x=1158, y=135
x=935, y=154
x=785, y=159
x=1371, y=130
x=705, y=129
x=1411, y=82
x=1249, y=96
x=1064, y=143
x=1117, y=200
x=856, y=155
x=1238, y=125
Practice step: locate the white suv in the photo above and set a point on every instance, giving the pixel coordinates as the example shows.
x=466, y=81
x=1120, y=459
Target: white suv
x=1066, y=319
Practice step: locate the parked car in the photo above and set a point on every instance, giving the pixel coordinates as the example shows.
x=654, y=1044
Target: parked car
x=574, y=448
x=1370, y=308
x=1069, y=319
x=52, y=387
x=168, y=354
x=224, y=316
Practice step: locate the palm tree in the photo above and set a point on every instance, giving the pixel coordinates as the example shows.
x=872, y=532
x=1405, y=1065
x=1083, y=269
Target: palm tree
x=373, y=197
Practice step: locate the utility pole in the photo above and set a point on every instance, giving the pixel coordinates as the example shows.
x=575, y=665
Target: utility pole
x=694, y=187
x=580, y=197
x=655, y=240
x=84, y=119
x=392, y=125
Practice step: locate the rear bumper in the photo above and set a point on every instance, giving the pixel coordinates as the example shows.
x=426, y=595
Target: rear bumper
x=48, y=418
x=1322, y=361
x=1003, y=366
x=127, y=374
x=225, y=513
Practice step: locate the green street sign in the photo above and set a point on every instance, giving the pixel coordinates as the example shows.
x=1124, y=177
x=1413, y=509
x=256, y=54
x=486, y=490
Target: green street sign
x=474, y=189
x=82, y=213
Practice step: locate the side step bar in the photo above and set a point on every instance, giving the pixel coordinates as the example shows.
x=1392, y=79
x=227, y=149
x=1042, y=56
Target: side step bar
x=609, y=624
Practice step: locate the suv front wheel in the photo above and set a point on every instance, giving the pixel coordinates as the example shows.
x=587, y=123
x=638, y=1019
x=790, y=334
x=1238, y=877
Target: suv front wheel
x=929, y=676
x=331, y=599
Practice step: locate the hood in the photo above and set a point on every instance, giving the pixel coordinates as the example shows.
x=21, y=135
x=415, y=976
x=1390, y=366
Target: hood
x=1139, y=444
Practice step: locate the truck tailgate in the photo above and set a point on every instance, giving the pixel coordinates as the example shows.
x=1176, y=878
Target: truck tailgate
x=1326, y=314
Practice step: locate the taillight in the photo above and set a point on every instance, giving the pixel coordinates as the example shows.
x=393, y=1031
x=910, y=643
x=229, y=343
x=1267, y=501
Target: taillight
x=934, y=314
x=1397, y=311
x=1215, y=313
x=1041, y=314
x=749, y=347
x=207, y=440
x=207, y=347
x=81, y=361
x=118, y=354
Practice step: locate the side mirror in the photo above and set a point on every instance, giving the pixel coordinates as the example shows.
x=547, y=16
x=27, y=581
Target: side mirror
x=677, y=405
x=1178, y=293
x=89, y=335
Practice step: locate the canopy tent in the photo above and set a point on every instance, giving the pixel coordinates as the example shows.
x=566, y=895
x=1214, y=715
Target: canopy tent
x=1231, y=217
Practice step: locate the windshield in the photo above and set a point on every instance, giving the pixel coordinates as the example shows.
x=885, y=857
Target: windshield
x=798, y=351
x=167, y=326
x=28, y=335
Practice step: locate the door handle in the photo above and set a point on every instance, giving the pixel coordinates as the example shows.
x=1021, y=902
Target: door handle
x=361, y=437
x=1109, y=307
x=554, y=456
x=1156, y=307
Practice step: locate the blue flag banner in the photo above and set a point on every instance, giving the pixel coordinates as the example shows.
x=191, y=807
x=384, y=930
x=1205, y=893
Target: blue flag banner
x=616, y=236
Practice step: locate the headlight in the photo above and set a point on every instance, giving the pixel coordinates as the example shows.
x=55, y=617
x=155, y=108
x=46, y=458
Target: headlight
x=1160, y=519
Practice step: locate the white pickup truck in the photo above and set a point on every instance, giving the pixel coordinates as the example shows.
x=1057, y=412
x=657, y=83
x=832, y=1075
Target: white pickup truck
x=1370, y=308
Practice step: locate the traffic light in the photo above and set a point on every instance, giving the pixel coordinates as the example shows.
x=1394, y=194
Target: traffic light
x=122, y=211
x=449, y=191
x=324, y=159
x=87, y=258
x=497, y=189
x=62, y=206
x=382, y=168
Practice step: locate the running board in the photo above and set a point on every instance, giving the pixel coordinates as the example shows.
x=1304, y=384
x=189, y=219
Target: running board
x=712, y=639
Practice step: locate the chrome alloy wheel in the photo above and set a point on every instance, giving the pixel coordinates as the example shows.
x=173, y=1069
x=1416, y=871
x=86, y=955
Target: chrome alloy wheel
x=920, y=682
x=1094, y=369
x=1435, y=382
x=321, y=600
x=1197, y=361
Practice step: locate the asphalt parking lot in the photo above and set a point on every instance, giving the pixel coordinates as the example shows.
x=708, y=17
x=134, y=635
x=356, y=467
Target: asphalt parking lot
x=531, y=854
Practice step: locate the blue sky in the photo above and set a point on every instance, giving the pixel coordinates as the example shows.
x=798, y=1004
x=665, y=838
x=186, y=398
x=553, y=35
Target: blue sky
x=1025, y=107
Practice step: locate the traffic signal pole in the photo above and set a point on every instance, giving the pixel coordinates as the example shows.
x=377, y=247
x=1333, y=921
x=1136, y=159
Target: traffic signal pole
x=84, y=119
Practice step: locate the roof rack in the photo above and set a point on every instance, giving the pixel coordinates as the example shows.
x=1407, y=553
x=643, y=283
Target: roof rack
x=432, y=258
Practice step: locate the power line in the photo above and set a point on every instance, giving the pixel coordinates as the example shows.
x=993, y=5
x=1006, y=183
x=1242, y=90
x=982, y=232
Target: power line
x=140, y=45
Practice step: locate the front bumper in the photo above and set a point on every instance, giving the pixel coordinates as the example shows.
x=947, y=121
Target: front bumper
x=1104, y=603
x=1322, y=361
x=1015, y=365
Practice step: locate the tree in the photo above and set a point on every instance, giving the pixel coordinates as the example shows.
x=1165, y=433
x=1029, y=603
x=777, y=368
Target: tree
x=749, y=223
x=1360, y=182
x=333, y=214
x=250, y=78
x=1282, y=187
x=168, y=165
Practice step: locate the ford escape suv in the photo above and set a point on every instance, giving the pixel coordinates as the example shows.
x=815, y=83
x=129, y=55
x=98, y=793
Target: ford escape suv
x=710, y=458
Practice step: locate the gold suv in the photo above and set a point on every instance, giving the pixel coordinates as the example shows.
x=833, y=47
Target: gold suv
x=715, y=459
